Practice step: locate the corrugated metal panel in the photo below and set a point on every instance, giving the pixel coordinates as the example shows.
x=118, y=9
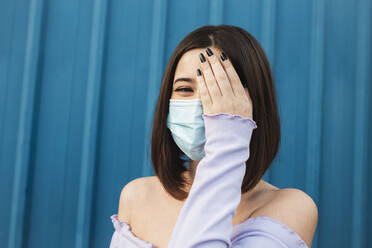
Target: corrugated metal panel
x=78, y=85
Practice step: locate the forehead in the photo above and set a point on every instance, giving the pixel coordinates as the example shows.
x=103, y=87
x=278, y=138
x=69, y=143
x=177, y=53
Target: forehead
x=190, y=61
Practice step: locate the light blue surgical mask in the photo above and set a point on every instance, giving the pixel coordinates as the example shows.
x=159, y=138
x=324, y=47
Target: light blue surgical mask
x=186, y=124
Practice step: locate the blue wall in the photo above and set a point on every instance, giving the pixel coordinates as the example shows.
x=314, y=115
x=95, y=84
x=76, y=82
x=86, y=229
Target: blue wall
x=78, y=85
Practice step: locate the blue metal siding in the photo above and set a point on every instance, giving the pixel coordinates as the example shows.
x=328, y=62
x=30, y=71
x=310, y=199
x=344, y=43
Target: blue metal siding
x=79, y=81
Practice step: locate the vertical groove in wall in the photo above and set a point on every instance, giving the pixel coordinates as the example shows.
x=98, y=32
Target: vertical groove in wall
x=5, y=82
x=157, y=50
x=88, y=161
x=268, y=39
x=358, y=234
x=216, y=12
x=313, y=153
x=22, y=162
x=268, y=28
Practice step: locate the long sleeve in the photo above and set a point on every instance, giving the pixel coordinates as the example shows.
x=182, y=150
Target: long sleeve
x=123, y=236
x=206, y=217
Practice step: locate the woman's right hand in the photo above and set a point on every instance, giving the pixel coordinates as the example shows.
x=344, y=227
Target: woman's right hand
x=220, y=88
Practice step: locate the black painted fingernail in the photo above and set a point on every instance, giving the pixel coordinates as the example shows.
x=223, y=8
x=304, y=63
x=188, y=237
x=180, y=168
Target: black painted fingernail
x=202, y=58
x=209, y=51
x=198, y=72
x=223, y=56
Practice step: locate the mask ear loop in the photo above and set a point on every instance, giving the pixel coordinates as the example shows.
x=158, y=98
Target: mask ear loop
x=187, y=160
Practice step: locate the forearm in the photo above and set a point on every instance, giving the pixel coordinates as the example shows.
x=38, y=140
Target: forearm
x=206, y=217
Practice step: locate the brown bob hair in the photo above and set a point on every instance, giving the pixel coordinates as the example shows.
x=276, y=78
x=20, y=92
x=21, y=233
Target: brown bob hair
x=253, y=68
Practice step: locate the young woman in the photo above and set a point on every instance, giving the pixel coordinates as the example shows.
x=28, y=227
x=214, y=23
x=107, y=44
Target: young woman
x=216, y=131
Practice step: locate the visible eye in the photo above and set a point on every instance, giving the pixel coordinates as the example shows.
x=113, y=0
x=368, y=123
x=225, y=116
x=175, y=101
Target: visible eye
x=184, y=89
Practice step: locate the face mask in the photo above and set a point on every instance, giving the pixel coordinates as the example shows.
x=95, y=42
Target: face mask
x=186, y=124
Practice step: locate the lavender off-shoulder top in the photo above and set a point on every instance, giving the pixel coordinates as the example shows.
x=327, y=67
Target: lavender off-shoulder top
x=205, y=220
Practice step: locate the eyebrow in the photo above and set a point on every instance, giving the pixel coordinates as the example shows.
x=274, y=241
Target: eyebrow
x=186, y=79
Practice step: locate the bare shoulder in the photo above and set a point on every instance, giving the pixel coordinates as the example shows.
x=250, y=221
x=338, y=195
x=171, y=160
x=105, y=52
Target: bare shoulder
x=132, y=193
x=295, y=208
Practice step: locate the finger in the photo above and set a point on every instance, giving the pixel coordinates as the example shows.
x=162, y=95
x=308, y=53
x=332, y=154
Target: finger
x=220, y=74
x=210, y=81
x=203, y=92
x=233, y=76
